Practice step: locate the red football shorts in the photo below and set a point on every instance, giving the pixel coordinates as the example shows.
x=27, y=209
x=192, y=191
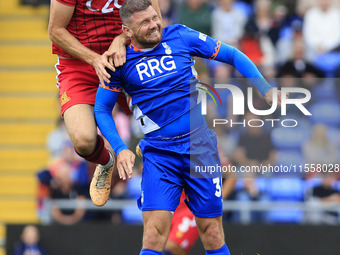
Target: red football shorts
x=77, y=82
x=183, y=229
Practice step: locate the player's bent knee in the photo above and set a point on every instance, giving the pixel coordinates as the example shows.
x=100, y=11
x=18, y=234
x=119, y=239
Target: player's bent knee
x=84, y=142
x=154, y=238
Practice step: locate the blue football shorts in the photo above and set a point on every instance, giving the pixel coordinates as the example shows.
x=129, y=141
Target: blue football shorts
x=166, y=171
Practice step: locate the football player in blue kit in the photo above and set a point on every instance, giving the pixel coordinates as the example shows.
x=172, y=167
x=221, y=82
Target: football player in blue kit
x=161, y=81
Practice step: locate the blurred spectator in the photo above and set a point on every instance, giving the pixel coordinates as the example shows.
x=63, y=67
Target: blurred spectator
x=68, y=183
x=337, y=72
x=123, y=124
x=302, y=6
x=255, y=146
x=326, y=193
x=250, y=187
x=279, y=20
x=118, y=186
x=337, y=80
x=30, y=242
x=168, y=12
x=76, y=166
x=133, y=188
x=43, y=193
x=136, y=133
x=196, y=14
x=35, y=3
x=318, y=149
x=248, y=191
x=321, y=29
x=285, y=44
x=248, y=1
x=299, y=67
x=225, y=141
x=131, y=214
x=228, y=23
x=78, y=171
x=118, y=190
x=57, y=139
x=256, y=43
x=298, y=72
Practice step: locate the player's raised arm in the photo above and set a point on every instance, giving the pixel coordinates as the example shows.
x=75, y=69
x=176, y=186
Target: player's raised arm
x=248, y=69
x=105, y=101
x=204, y=46
x=60, y=16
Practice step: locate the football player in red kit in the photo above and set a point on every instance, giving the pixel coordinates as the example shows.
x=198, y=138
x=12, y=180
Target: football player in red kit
x=87, y=38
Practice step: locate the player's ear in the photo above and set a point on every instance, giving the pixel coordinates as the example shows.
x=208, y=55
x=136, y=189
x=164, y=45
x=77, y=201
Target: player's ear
x=127, y=31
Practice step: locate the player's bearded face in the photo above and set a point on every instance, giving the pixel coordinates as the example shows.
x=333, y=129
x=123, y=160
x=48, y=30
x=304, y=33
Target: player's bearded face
x=147, y=28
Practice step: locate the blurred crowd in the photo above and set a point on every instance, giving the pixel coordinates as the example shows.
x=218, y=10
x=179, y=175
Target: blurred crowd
x=294, y=44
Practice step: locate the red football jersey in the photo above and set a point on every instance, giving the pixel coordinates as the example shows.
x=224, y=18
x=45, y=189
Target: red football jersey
x=94, y=23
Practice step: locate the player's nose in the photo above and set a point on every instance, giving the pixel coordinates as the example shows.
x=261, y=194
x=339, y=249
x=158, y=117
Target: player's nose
x=153, y=25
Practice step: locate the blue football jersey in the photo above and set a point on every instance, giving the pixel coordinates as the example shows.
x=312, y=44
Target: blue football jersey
x=162, y=81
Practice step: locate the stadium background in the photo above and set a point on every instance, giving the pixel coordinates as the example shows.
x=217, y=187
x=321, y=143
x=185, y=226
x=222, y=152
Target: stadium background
x=30, y=108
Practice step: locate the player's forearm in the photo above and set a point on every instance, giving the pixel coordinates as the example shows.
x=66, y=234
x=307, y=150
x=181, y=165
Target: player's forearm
x=66, y=41
x=105, y=102
x=121, y=40
x=108, y=128
x=244, y=65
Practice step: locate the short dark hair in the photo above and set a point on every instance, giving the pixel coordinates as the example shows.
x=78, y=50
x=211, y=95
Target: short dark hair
x=131, y=6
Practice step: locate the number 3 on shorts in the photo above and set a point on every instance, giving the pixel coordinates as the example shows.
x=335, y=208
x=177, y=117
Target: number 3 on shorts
x=218, y=191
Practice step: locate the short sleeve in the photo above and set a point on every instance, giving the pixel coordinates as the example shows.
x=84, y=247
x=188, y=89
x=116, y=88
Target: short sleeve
x=115, y=84
x=199, y=44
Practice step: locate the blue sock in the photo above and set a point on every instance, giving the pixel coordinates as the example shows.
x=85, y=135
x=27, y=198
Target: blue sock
x=221, y=251
x=149, y=252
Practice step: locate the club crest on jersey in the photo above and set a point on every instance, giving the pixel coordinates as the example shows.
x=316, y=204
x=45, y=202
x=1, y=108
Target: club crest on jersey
x=167, y=48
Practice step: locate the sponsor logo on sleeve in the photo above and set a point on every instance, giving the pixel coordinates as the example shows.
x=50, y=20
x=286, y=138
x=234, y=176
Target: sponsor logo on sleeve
x=203, y=37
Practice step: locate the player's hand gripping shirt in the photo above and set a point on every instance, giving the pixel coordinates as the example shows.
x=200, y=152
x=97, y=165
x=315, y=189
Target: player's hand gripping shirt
x=162, y=81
